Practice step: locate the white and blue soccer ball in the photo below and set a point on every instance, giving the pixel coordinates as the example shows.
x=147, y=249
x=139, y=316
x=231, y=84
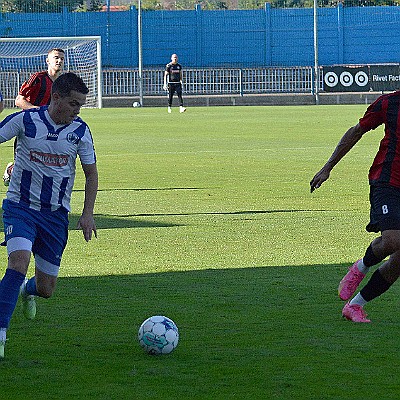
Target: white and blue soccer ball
x=136, y=104
x=158, y=335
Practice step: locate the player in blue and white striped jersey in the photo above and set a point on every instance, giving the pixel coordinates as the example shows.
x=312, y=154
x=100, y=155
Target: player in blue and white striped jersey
x=44, y=170
x=35, y=212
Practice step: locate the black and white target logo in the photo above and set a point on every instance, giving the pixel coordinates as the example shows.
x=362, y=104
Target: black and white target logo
x=361, y=78
x=346, y=79
x=338, y=79
x=331, y=79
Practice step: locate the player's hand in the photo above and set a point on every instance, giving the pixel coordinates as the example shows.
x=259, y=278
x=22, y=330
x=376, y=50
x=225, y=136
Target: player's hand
x=319, y=178
x=165, y=87
x=88, y=226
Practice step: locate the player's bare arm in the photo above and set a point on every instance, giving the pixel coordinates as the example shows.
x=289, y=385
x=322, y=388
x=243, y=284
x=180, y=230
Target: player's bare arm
x=346, y=143
x=165, y=87
x=86, y=221
x=21, y=102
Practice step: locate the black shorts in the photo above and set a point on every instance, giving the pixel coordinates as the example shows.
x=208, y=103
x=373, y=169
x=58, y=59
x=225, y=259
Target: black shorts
x=175, y=87
x=385, y=209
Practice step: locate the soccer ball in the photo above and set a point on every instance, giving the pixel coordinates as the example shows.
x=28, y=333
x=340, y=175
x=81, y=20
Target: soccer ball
x=136, y=104
x=158, y=335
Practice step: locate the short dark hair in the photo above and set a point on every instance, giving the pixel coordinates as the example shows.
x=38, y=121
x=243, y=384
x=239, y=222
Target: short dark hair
x=55, y=49
x=67, y=82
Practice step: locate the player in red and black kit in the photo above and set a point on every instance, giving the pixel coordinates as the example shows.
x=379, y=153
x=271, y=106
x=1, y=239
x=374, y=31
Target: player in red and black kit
x=36, y=92
x=173, y=82
x=384, y=180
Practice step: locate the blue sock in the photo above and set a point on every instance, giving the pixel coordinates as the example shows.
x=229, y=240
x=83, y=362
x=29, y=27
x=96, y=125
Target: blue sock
x=31, y=287
x=9, y=292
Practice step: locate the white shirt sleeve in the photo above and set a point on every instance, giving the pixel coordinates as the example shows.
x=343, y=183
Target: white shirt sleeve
x=11, y=126
x=86, y=150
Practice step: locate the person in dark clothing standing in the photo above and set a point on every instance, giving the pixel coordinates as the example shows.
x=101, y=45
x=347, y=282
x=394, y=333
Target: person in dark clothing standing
x=173, y=82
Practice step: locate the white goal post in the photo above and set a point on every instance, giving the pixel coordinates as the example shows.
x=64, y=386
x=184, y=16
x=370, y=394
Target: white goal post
x=21, y=57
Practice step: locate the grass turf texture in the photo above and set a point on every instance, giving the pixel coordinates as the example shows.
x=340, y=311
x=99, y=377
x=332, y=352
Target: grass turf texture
x=206, y=217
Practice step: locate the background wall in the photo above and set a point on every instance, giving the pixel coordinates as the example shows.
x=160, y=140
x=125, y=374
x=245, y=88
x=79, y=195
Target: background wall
x=243, y=38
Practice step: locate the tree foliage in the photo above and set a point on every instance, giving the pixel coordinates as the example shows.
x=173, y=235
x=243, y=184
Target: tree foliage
x=49, y=6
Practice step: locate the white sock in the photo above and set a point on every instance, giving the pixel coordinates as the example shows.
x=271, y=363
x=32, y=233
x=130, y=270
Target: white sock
x=362, y=268
x=3, y=334
x=359, y=300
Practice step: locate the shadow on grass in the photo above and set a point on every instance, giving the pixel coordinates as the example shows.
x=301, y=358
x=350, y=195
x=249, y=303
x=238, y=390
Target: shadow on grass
x=114, y=222
x=302, y=293
x=231, y=290
x=242, y=331
x=119, y=222
x=142, y=189
x=243, y=212
x=110, y=221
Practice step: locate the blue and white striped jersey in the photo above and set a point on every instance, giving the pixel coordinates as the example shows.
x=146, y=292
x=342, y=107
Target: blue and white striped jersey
x=45, y=161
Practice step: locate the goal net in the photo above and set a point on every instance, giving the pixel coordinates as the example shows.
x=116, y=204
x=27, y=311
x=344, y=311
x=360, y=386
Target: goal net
x=21, y=57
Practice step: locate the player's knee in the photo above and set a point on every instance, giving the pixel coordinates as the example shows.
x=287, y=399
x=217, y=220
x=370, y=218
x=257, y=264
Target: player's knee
x=391, y=241
x=19, y=260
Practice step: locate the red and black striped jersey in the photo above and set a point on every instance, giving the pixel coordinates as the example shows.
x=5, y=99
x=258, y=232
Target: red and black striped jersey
x=385, y=169
x=37, y=89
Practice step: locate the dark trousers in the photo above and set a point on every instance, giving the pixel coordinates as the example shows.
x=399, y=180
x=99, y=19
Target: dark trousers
x=174, y=88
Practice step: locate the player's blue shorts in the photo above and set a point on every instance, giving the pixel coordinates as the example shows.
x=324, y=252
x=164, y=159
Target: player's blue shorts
x=46, y=232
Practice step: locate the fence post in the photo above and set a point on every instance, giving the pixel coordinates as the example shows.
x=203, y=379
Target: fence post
x=241, y=82
x=316, y=51
x=268, y=47
x=340, y=33
x=199, y=29
x=134, y=34
x=65, y=26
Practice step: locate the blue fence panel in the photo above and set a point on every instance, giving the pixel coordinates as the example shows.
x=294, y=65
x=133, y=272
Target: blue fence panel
x=292, y=37
x=121, y=47
x=329, y=37
x=237, y=38
x=168, y=32
x=84, y=24
x=371, y=35
x=233, y=38
x=26, y=25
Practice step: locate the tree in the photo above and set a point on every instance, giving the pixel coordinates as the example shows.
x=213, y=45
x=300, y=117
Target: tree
x=35, y=6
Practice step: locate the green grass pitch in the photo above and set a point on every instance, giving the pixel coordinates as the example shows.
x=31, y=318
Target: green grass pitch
x=206, y=217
